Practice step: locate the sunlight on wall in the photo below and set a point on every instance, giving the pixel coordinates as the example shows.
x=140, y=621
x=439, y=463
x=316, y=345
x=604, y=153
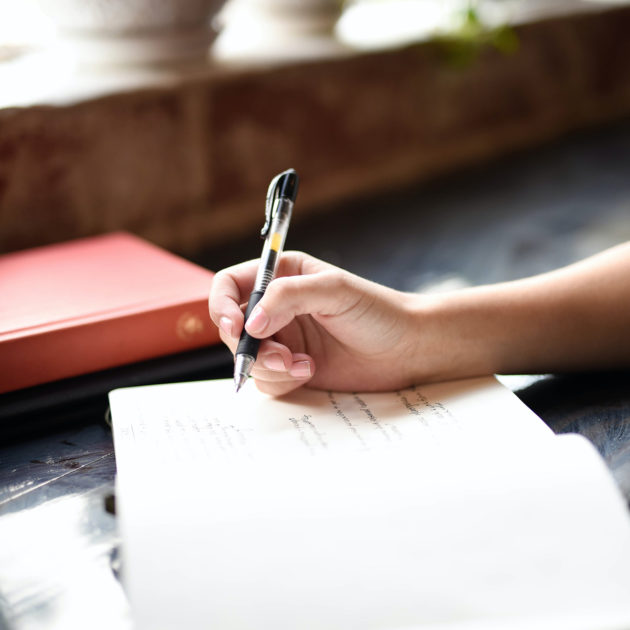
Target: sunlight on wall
x=23, y=24
x=384, y=23
x=29, y=63
x=369, y=24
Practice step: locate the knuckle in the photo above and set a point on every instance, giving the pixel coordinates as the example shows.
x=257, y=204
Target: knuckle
x=220, y=279
x=335, y=279
x=282, y=289
x=337, y=283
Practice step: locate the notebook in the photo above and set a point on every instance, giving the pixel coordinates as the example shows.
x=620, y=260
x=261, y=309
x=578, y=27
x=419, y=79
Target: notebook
x=96, y=303
x=446, y=506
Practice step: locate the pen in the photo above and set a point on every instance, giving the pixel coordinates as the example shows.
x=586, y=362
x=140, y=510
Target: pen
x=278, y=207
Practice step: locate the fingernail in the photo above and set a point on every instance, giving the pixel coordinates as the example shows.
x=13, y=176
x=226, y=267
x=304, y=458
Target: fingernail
x=226, y=325
x=257, y=321
x=274, y=362
x=300, y=369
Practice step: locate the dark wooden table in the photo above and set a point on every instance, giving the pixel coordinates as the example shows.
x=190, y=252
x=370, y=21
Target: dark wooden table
x=527, y=214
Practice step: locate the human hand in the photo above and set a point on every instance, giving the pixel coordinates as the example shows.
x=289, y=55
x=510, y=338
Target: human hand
x=320, y=325
x=330, y=329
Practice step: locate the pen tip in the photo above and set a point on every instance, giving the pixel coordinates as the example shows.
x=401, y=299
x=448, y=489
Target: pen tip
x=242, y=367
x=239, y=381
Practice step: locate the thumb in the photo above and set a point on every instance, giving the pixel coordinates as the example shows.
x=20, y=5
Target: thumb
x=327, y=293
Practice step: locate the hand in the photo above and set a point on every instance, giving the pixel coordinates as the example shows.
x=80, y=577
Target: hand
x=333, y=330
x=320, y=325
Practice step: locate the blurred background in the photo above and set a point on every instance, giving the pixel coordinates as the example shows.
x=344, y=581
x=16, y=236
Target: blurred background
x=490, y=131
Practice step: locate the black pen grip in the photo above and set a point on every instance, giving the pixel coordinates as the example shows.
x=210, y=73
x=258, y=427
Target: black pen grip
x=248, y=344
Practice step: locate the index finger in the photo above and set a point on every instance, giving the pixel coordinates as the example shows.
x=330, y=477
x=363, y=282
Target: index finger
x=230, y=288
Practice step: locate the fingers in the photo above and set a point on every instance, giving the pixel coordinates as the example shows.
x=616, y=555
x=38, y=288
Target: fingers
x=277, y=379
x=277, y=370
x=325, y=294
x=230, y=288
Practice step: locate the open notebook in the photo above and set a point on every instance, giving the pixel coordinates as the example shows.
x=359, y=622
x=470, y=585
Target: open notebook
x=447, y=506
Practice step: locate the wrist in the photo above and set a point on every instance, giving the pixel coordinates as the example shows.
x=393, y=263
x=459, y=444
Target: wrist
x=458, y=335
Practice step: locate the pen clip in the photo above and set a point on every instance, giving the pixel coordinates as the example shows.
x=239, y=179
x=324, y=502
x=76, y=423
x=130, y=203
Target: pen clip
x=272, y=195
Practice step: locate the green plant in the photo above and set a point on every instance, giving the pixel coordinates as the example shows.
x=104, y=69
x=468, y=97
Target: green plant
x=461, y=46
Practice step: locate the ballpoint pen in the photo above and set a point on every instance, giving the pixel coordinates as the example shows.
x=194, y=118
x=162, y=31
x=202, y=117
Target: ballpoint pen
x=278, y=207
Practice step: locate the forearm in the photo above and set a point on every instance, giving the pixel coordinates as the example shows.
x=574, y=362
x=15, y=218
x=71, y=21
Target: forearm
x=575, y=318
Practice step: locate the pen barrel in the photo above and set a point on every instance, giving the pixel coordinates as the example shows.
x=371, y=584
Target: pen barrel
x=266, y=269
x=274, y=243
x=248, y=344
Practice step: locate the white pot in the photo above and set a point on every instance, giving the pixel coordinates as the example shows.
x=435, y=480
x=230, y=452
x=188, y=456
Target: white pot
x=134, y=31
x=267, y=30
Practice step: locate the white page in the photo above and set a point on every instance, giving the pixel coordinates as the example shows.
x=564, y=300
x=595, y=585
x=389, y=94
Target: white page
x=447, y=504
x=196, y=423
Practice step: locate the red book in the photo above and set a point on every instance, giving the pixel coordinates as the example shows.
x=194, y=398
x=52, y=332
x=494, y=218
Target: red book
x=97, y=303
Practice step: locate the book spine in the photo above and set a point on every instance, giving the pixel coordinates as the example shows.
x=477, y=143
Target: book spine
x=106, y=343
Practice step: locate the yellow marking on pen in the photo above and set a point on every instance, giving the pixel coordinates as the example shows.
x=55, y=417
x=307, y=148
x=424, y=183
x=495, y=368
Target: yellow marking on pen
x=276, y=241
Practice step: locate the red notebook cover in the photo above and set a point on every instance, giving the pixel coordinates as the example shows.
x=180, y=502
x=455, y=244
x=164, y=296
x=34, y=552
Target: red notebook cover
x=97, y=303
